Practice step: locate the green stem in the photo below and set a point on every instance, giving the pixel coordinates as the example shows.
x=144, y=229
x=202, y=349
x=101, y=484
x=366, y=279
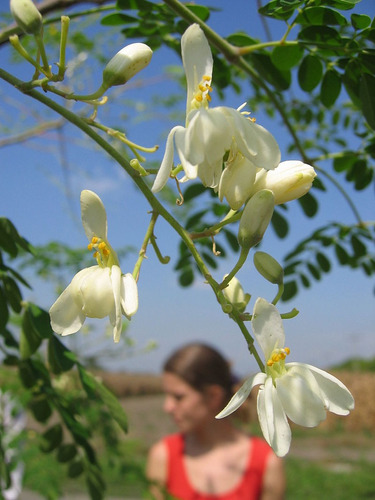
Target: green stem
x=241, y=261
x=157, y=207
x=65, y=21
x=279, y=294
x=16, y=44
x=46, y=67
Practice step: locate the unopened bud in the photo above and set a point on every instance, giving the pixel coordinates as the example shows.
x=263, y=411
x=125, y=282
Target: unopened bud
x=126, y=63
x=255, y=218
x=235, y=294
x=269, y=268
x=27, y=16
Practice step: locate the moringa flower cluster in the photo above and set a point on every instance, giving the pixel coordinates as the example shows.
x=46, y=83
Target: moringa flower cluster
x=97, y=291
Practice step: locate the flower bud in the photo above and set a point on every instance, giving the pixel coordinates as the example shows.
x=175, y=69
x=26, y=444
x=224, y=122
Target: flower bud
x=125, y=64
x=255, y=218
x=269, y=268
x=27, y=16
x=288, y=181
x=235, y=294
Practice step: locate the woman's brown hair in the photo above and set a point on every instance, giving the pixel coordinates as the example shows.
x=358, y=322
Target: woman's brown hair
x=200, y=365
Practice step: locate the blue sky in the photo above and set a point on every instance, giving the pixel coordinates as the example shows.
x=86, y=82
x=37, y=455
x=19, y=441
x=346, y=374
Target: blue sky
x=336, y=319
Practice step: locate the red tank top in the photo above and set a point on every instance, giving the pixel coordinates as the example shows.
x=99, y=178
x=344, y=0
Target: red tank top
x=249, y=487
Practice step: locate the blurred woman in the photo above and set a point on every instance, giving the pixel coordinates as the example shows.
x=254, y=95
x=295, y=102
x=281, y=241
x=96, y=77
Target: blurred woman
x=208, y=459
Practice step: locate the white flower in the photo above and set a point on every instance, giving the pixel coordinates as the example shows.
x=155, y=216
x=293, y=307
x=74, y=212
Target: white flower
x=234, y=293
x=210, y=133
x=98, y=291
x=288, y=181
x=296, y=391
x=27, y=16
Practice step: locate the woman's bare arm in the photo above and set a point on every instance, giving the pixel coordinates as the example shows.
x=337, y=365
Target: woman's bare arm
x=274, y=482
x=156, y=470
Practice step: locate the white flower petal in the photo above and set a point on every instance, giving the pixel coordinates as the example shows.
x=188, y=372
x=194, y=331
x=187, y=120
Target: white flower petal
x=272, y=419
x=237, y=181
x=66, y=314
x=129, y=295
x=167, y=162
x=242, y=394
x=93, y=288
x=94, y=217
x=115, y=314
x=196, y=58
x=190, y=169
x=337, y=398
x=267, y=326
x=300, y=396
x=254, y=141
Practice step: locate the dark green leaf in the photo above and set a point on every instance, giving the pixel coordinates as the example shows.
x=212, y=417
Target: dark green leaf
x=359, y=248
x=199, y=10
x=284, y=57
x=12, y=294
x=75, y=469
x=66, y=452
x=59, y=357
x=341, y=254
x=309, y=204
x=360, y=21
x=313, y=271
x=241, y=39
x=367, y=96
x=39, y=319
x=305, y=281
x=232, y=240
x=51, y=438
x=118, y=19
x=30, y=339
x=10, y=239
x=342, y=4
x=310, y=73
x=279, y=224
x=279, y=10
x=95, y=388
x=193, y=191
x=344, y=162
x=40, y=408
x=193, y=221
x=320, y=16
x=27, y=374
x=280, y=79
x=4, y=313
x=186, y=278
x=351, y=80
x=323, y=262
x=290, y=290
x=330, y=88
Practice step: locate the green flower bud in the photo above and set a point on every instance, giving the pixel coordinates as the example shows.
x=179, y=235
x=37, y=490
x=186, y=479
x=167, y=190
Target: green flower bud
x=27, y=16
x=235, y=294
x=269, y=268
x=125, y=64
x=255, y=218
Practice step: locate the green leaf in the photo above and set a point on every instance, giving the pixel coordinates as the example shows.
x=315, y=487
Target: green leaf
x=51, y=438
x=351, y=80
x=59, y=357
x=27, y=374
x=118, y=19
x=4, y=313
x=313, y=271
x=284, y=57
x=199, y=10
x=30, y=339
x=320, y=16
x=323, y=262
x=10, y=239
x=241, y=39
x=186, y=278
x=193, y=191
x=342, y=4
x=39, y=319
x=94, y=389
x=12, y=294
x=310, y=73
x=341, y=254
x=326, y=39
x=367, y=96
x=344, y=162
x=75, y=469
x=280, y=10
x=330, y=88
x=66, y=452
x=232, y=240
x=279, y=224
x=40, y=408
x=305, y=281
x=290, y=290
x=359, y=248
x=360, y=21
x=263, y=64
x=309, y=204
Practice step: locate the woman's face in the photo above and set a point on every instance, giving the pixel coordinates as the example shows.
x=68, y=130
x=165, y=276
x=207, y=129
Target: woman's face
x=189, y=408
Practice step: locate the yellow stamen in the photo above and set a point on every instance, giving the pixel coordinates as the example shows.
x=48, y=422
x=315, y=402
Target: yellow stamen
x=90, y=246
x=94, y=240
x=206, y=78
x=208, y=97
x=102, y=246
x=96, y=254
x=278, y=355
x=198, y=98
